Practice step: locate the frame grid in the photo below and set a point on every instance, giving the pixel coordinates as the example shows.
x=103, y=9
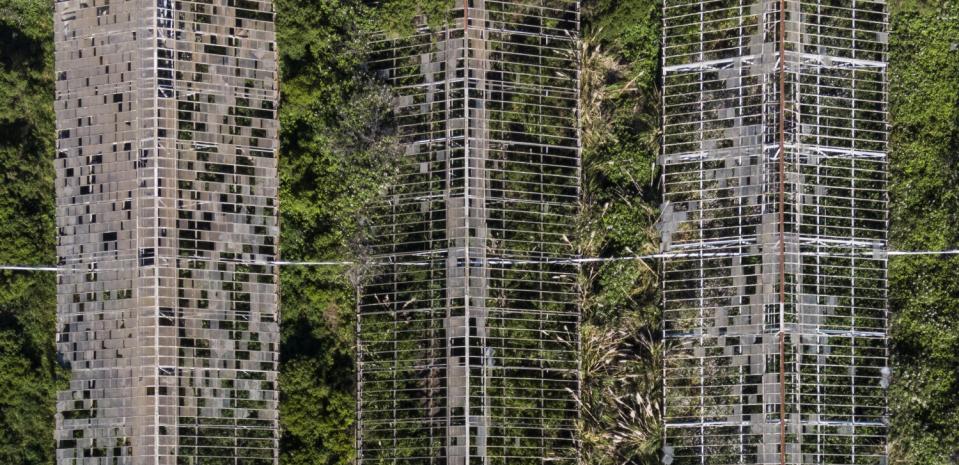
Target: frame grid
x=466, y=352
x=166, y=192
x=774, y=172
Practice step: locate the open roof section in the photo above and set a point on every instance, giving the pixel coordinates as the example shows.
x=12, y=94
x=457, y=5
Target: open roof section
x=474, y=356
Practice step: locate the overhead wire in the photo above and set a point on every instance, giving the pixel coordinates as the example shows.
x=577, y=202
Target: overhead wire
x=525, y=261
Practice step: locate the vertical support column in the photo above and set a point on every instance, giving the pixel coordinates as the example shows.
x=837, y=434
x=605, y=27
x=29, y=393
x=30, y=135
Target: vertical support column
x=477, y=186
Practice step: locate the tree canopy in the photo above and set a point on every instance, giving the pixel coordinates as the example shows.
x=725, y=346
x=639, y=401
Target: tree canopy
x=924, y=191
x=29, y=372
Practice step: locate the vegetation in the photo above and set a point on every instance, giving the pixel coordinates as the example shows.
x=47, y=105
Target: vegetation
x=28, y=368
x=330, y=167
x=395, y=17
x=924, y=98
x=620, y=337
x=330, y=144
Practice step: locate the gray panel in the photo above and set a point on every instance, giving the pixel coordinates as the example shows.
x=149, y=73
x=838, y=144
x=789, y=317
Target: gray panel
x=166, y=208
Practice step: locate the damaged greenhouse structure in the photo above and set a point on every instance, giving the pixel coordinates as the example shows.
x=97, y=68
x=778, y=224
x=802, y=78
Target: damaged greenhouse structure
x=467, y=321
x=775, y=232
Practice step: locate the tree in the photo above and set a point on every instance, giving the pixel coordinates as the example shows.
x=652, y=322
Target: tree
x=924, y=294
x=28, y=368
x=333, y=140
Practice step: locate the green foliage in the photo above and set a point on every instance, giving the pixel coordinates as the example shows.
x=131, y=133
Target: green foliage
x=332, y=144
x=398, y=17
x=28, y=370
x=924, y=98
x=621, y=346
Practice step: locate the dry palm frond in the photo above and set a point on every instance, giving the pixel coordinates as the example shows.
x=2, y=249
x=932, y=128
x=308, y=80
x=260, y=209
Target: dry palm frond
x=603, y=79
x=621, y=370
x=620, y=396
